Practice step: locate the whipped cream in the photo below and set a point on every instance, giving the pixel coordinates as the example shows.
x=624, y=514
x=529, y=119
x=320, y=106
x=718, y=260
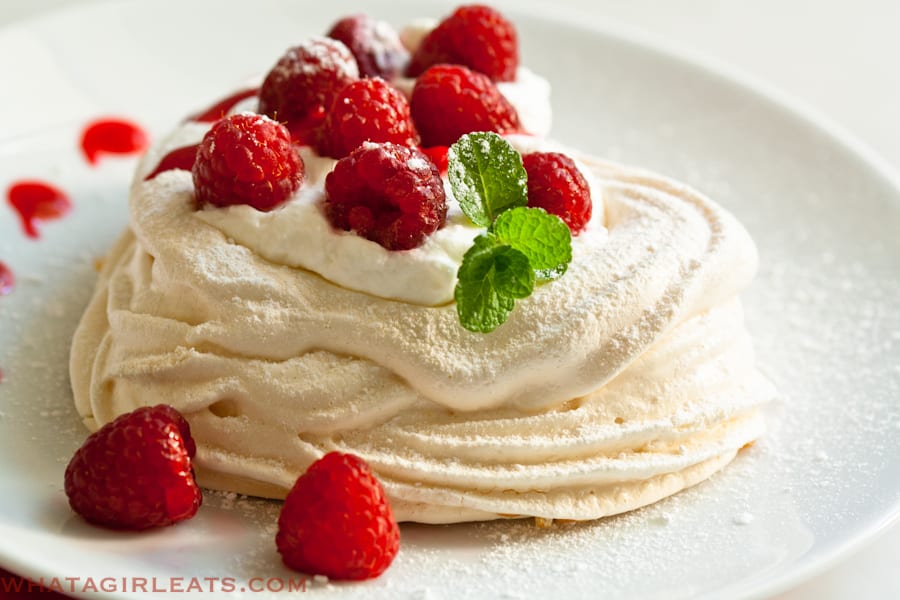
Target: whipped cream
x=298, y=234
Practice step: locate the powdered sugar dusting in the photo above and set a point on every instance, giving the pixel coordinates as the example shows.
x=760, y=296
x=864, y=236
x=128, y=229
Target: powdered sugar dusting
x=314, y=55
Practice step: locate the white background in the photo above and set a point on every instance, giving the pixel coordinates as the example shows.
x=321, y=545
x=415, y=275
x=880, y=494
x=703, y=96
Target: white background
x=839, y=57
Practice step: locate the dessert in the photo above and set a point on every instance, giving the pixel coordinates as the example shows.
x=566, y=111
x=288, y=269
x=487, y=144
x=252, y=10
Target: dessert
x=282, y=332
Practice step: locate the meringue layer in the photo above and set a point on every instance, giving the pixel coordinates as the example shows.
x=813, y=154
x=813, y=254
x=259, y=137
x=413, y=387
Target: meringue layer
x=626, y=380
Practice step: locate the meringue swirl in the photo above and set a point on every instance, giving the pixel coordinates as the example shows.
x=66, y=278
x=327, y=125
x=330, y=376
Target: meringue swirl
x=623, y=382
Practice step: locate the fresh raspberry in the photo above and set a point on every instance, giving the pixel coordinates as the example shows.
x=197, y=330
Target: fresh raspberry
x=374, y=44
x=439, y=156
x=449, y=101
x=556, y=185
x=368, y=110
x=336, y=521
x=387, y=193
x=135, y=472
x=304, y=82
x=247, y=159
x=475, y=36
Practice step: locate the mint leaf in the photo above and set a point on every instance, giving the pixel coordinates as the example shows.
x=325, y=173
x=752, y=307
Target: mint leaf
x=492, y=275
x=544, y=238
x=486, y=176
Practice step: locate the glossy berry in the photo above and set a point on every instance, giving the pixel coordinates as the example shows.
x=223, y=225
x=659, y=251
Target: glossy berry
x=304, y=83
x=336, y=521
x=556, y=185
x=475, y=36
x=368, y=110
x=135, y=472
x=247, y=159
x=375, y=45
x=439, y=156
x=449, y=101
x=387, y=193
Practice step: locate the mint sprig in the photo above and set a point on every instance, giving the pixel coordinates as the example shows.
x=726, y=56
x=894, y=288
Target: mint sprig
x=492, y=276
x=487, y=176
x=522, y=246
x=544, y=238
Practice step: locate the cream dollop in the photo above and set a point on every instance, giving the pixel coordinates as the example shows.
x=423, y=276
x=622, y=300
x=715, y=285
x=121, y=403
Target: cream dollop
x=298, y=234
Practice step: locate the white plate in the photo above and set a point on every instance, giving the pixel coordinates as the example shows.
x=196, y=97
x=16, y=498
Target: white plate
x=823, y=312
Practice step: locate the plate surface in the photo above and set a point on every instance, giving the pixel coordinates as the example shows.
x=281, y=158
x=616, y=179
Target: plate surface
x=823, y=312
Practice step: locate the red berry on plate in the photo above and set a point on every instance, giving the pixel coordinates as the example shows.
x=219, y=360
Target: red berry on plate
x=304, y=82
x=387, y=193
x=135, y=472
x=556, y=185
x=374, y=44
x=368, y=110
x=449, y=101
x=475, y=36
x=247, y=159
x=336, y=521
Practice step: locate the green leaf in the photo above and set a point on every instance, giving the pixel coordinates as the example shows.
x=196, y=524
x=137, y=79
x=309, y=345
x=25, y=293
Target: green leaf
x=486, y=176
x=490, y=279
x=544, y=238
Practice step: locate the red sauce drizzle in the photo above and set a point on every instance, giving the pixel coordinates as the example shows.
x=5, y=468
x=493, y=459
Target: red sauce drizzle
x=112, y=136
x=37, y=201
x=7, y=280
x=179, y=158
x=221, y=108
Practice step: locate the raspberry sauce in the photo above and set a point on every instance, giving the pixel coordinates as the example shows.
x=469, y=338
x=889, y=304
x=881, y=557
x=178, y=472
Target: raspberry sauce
x=112, y=136
x=221, y=108
x=37, y=201
x=7, y=280
x=179, y=158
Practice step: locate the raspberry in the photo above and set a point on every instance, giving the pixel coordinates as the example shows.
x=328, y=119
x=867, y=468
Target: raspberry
x=449, y=101
x=304, y=82
x=475, y=36
x=387, y=193
x=247, y=159
x=374, y=44
x=438, y=155
x=135, y=472
x=366, y=110
x=336, y=521
x=556, y=185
